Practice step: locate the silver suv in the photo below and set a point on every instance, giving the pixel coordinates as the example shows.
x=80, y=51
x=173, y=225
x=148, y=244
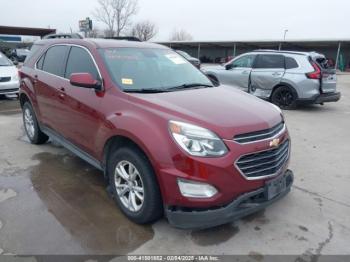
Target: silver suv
x=285, y=78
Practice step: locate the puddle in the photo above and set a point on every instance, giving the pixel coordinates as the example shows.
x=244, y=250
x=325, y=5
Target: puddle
x=214, y=236
x=305, y=229
x=62, y=206
x=74, y=192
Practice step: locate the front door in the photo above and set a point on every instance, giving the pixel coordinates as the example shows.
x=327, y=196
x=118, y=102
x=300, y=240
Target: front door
x=238, y=73
x=82, y=104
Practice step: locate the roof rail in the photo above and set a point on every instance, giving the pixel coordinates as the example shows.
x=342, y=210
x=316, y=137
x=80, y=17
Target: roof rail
x=283, y=51
x=56, y=36
x=128, y=38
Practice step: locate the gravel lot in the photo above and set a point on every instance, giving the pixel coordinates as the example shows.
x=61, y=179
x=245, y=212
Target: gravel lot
x=53, y=203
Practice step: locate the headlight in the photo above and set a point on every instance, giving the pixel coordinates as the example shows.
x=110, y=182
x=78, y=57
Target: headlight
x=197, y=141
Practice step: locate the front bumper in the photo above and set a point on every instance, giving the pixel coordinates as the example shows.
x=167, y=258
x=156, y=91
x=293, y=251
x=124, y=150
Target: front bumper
x=244, y=205
x=322, y=98
x=7, y=88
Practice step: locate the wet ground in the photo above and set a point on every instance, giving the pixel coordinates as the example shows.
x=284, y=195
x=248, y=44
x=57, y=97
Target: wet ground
x=51, y=202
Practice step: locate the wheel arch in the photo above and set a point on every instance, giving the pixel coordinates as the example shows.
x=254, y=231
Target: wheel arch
x=284, y=84
x=23, y=98
x=118, y=141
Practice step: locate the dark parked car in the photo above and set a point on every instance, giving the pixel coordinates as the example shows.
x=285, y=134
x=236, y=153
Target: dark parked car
x=167, y=141
x=19, y=55
x=194, y=61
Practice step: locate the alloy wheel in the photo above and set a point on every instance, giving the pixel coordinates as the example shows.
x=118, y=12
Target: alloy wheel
x=129, y=186
x=29, y=123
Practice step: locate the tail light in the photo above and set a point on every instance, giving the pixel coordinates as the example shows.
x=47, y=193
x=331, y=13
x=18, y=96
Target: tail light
x=316, y=74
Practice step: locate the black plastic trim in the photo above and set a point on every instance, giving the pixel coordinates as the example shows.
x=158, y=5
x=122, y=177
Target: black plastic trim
x=319, y=99
x=71, y=147
x=215, y=217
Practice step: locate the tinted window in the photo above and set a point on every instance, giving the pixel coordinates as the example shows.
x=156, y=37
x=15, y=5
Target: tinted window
x=80, y=61
x=40, y=63
x=245, y=61
x=270, y=61
x=54, y=60
x=291, y=63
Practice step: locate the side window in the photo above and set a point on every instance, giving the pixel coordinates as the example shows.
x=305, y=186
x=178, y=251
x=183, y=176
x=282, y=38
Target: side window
x=55, y=59
x=40, y=63
x=269, y=61
x=80, y=61
x=291, y=63
x=245, y=61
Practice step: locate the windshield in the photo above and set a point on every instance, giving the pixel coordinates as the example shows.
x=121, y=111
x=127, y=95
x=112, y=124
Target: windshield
x=151, y=69
x=4, y=61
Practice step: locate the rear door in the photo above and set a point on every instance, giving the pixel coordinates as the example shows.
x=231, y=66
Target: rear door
x=239, y=73
x=267, y=72
x=329, y=76
x=48, y=80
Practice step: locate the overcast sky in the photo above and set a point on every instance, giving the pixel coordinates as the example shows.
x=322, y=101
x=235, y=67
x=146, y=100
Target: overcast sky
x=204, y=19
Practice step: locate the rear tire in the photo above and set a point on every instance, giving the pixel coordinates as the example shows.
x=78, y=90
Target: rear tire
x=284, y=97
x=31, y=125
x=134, y=186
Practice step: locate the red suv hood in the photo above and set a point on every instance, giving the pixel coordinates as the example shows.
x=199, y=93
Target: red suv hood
x=224, y=110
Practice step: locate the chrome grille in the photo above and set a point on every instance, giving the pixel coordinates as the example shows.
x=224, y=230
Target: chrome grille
x=260, y=135
x=264, y=164
x=5, y=79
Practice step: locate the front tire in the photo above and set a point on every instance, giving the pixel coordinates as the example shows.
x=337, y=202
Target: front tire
x=285, y=98
x=134, y=185
x=31, y=125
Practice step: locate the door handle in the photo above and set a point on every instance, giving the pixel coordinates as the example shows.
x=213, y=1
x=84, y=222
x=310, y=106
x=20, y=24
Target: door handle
x=245, y=72
x=61, y=96
x=35, y=80
x=276, y=74
x=62, y=93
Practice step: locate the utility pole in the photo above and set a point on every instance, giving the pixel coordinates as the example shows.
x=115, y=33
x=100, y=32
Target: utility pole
x=284, y=38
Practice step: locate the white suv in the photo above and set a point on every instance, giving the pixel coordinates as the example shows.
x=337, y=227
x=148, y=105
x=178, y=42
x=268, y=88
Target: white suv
x=285, y=78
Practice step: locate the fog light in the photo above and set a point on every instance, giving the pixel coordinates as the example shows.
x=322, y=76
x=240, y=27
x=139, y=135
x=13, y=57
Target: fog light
x=196, y=189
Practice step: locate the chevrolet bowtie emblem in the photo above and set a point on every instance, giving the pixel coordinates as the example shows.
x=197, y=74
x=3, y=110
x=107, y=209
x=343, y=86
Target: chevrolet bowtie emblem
x=275, y=142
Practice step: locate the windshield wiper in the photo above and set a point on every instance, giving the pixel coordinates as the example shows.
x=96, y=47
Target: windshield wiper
x=145, y=90
x=191, y=85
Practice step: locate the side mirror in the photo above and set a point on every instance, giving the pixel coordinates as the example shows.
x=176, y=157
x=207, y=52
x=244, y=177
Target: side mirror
x=229, y=66
x=85, y=80
x=15, y=62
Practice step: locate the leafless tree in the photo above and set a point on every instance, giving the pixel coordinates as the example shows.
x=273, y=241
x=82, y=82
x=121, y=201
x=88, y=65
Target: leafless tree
x=116, y=15
x=180, y=35
x=95, y=33
x=144, y=30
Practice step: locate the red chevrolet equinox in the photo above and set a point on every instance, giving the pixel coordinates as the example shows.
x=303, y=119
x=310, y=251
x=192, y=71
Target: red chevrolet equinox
x=168, y=141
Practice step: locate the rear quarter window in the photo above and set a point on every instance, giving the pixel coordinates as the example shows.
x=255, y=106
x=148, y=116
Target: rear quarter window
x=291, y=63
